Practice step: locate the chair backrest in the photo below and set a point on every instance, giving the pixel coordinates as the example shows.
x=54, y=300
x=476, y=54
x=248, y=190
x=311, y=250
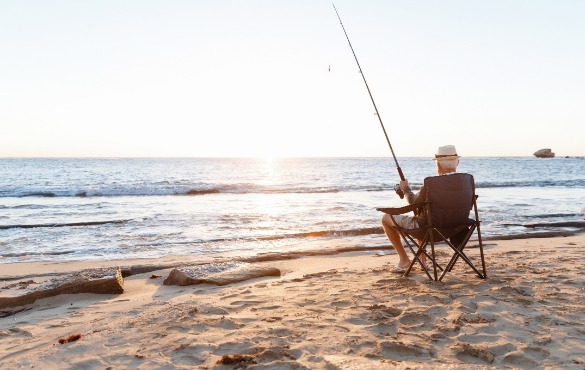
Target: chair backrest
x=451, y=198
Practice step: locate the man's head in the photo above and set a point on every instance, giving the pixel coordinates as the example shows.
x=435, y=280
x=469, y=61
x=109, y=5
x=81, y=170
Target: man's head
x=447, y=159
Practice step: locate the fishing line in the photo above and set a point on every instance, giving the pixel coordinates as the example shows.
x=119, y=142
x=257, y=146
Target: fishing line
x=371, y=97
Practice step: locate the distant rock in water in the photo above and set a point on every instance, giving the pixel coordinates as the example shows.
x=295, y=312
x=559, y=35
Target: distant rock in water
x=544, y=153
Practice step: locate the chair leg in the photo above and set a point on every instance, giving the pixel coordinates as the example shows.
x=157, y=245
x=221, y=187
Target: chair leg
x=421, y=249
x=460, y=247
x=459, y=253
x=463, y=256
x=434, y=258
x=481, y=252
x=430, y=257
x=477, y=222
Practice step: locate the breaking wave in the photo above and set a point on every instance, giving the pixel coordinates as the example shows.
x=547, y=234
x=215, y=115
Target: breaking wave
x=69, y=224
x=166, y=189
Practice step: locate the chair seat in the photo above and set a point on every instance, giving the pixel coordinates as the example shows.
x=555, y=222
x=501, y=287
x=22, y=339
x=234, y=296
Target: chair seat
x=447, y=232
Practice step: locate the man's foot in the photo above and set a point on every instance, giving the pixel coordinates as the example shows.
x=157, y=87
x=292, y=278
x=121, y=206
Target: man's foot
x=398, y=269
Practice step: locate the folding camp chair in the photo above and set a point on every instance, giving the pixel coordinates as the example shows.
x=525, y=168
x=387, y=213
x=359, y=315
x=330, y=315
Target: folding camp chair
x=448, y=202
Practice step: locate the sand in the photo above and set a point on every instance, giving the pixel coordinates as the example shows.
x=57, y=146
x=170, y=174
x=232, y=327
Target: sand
x=345, y=311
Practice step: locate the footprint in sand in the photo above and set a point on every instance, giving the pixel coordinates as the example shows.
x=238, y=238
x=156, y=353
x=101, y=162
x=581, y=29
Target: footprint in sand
x=232, y=295
x=468, y=307
x=359, y=321
x=519, y=360
x=469, y=318
x=191, y=355
x=536, y=353
x=472, y=354
x=526, y=357
x=245, y=303
x=281, y=332
x=269, y=308
x=432, y=299
x=228, y=324
x=208, y=310
x=403, y=351
x=414, y=319
x=479, y=338
x=342, y=303
x=272, y=319
x=384, y=329
x=390, y=311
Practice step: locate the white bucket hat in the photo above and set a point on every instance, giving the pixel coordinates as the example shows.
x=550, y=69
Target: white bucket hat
x=446, y=152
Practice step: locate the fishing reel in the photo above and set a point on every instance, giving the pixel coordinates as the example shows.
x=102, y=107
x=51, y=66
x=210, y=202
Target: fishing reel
x=399, y=191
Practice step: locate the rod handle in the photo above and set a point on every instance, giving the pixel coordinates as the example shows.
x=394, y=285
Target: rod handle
x=400, y=173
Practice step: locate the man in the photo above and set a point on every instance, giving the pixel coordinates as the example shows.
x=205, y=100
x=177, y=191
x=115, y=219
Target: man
x=447, y=161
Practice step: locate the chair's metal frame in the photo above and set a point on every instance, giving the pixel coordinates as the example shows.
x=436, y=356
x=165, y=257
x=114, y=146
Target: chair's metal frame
x=423, y=236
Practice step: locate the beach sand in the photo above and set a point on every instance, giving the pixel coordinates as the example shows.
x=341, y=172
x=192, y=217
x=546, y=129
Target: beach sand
x=344, y=311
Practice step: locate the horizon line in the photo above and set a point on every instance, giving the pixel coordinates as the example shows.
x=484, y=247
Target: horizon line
x=265, y=158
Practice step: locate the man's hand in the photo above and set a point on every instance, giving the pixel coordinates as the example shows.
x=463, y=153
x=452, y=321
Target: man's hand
x=403, y=185
x=399, y=191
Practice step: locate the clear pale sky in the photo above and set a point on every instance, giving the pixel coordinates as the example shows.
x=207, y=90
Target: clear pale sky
x=277, y=78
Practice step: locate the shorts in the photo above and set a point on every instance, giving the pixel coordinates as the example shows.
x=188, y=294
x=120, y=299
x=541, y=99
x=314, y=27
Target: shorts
x=405, y=222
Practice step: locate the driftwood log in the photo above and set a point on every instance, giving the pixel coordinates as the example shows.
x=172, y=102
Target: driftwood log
x=80, y=284
x=185, y=276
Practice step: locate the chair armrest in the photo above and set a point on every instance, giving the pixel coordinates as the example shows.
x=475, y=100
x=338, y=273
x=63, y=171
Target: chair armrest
x=402, y=210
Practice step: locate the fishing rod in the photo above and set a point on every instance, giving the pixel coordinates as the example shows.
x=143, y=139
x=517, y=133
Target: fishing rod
x=372, y=98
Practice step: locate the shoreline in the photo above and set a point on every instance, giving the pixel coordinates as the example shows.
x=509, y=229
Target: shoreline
x=343, y=310
x=10, y=270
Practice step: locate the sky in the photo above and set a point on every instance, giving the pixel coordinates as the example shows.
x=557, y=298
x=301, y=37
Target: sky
x=193, y=78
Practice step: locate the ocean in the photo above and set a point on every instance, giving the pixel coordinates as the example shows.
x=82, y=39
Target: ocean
x=56, y=209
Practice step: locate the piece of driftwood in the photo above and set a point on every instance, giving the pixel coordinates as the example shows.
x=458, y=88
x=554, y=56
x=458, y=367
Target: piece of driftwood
x=185, y=276
x=79, y=284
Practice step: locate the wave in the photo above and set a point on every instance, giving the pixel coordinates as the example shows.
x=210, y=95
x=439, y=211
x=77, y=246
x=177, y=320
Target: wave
x=550, y=230
x=46, y=194
x=553, y=229
x=310, y=234
x=202, y=192
x=166, y=188
x=68, y=224
x=574, y=183
x=327, y=233
x=27, y=254
x=574, y=224
x=531, y=235
x=171, y=190
x=557, y=215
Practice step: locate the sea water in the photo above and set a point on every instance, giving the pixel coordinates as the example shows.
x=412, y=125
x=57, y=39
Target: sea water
x=56, y=209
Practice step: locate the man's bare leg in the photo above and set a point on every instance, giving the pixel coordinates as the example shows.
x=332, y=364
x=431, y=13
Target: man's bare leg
x=396, y=241
x=394, y=238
